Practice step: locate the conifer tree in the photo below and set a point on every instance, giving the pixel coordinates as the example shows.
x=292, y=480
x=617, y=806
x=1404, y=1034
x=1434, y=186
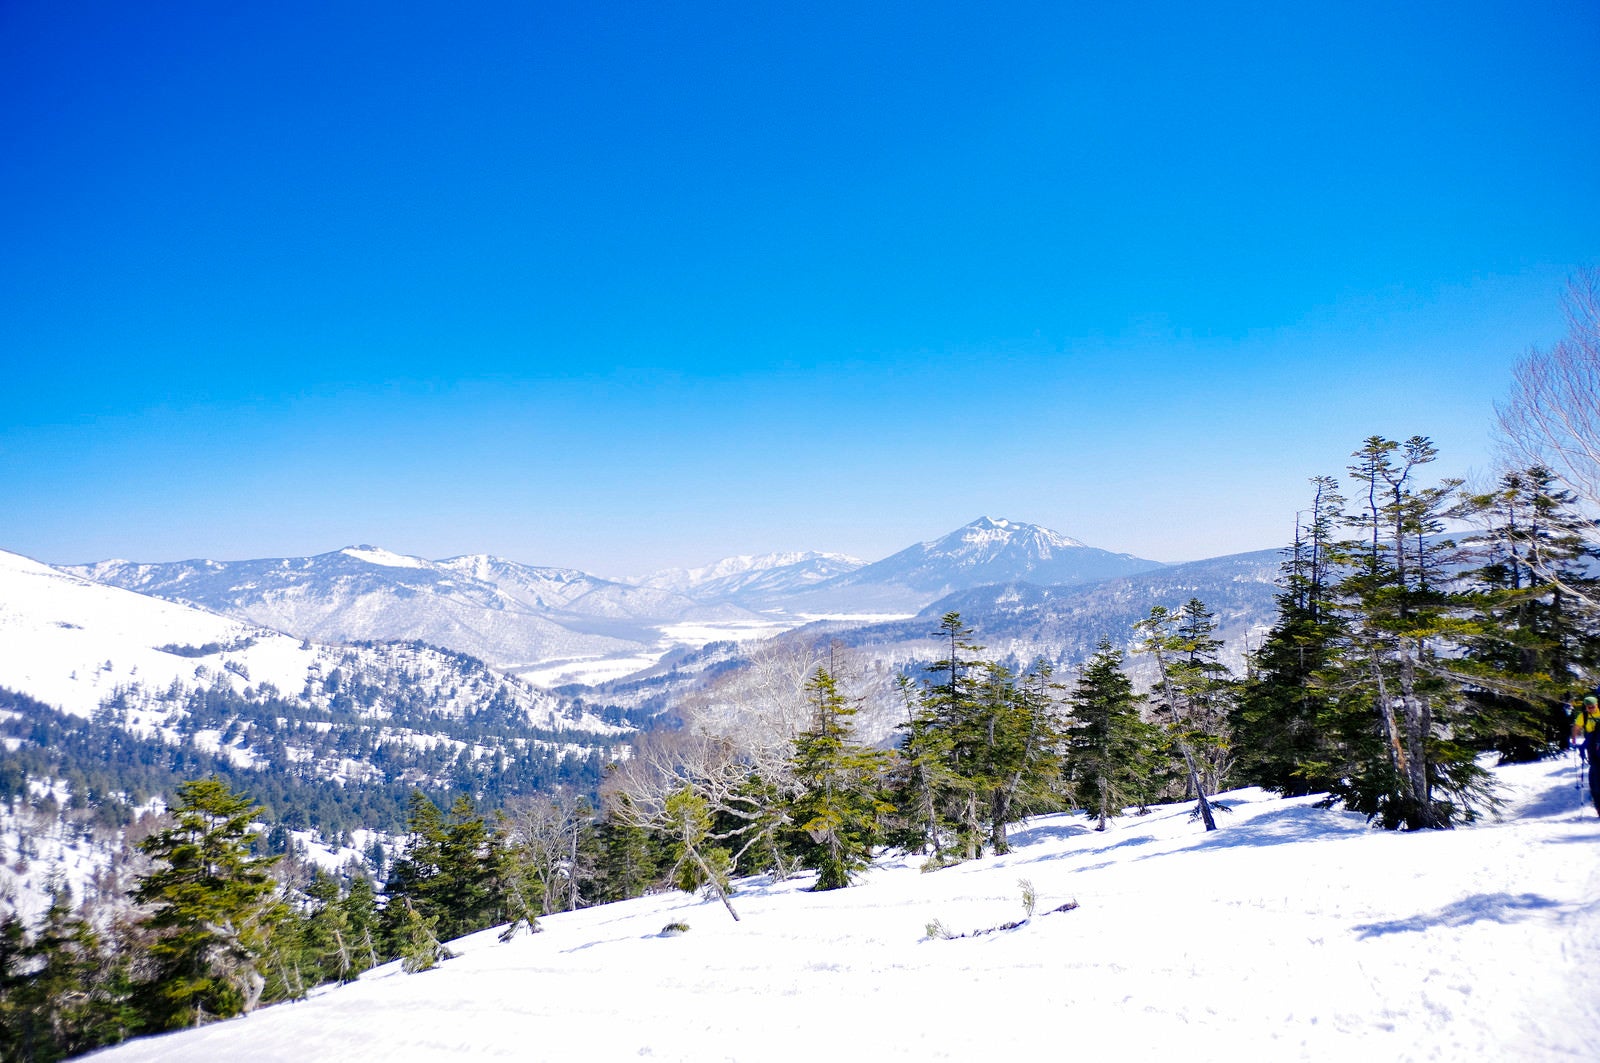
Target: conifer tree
x=919, y=777
x=450, y=872
x=1397, y=712
x=948, y=705
x=212, y=909
x=629, y=859
x=1009, y=745
x=1193, y=695
x=839, y=805
x=359, y=916
x=417, y=941
x=1278, y=719
x=1535, y=636
x=1105, y=739
x=697, y=861
x=64, y=990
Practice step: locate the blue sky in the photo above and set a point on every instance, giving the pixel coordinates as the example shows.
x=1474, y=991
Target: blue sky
x=620, y=287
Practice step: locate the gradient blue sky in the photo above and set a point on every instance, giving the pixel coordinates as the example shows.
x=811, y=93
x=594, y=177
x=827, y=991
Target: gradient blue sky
x=621, y=286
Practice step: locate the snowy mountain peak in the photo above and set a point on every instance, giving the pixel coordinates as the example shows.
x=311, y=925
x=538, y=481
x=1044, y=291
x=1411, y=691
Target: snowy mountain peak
x=743, y=565
x=991, y=532
x=374, y=555
x=986, y=551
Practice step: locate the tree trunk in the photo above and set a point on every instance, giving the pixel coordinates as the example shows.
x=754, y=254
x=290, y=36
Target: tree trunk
x=716, y=884
x=1194, y=780
x=1416, y=711
x=999, y=810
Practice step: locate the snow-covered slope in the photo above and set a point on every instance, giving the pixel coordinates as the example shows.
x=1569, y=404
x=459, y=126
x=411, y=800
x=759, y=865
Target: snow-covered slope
x=508, y=614
x=73, y=643
x=1293, y=933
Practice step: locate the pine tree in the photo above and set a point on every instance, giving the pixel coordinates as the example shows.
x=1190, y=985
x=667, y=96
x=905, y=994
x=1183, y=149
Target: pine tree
x=1536, y=635
x=839, y=806
x=450, y=873
x=1106, y=741
x=697, y=862
x=63, y=990
x=629, y=859
x=1008, y=745
x=1193, y=695
x=1397, y=712
x=359, y=911
x=1277, y=721
x=919, y=777
x=417, y=941
x=949, y=705
x=212, y=909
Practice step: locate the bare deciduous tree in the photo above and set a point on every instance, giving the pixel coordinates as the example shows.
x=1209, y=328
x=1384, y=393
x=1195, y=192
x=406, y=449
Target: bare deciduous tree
x=1553, y=416
x=544, y=834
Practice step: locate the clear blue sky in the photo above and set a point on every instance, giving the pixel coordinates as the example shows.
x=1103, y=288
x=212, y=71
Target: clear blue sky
x=622, y=285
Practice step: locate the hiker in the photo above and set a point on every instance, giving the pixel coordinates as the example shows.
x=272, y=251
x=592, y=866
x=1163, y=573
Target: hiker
x=1585, y=724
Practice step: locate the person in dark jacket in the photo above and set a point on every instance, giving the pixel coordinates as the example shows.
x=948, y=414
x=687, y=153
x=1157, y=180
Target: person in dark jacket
x=1585, y=725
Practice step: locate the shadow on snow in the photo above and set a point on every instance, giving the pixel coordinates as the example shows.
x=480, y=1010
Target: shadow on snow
x=1493, y=907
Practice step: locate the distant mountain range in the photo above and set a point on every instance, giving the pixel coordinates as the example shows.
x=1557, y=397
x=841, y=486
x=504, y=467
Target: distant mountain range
x=767, y=581
x=125, y=681
x=371, y=666
x=509, y=614
x=1016, y=623
x=521, y=617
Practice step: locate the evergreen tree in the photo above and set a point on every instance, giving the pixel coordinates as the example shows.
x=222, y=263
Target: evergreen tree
x=450, y=873
x=1193, y=695
x=1277, y=720
x=629, y=859
x=697, y=862
x=359, y=919
x=1397, y=712
x=1536, y=634
x=839, y=806
x=919, y=777
x=63, y=990
x=1009, y=745
x=1106, y=741
x=416, y=939
x=212, y=909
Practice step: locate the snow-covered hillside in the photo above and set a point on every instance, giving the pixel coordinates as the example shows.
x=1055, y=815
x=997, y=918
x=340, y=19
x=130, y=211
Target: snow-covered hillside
x=110, y=697
x=508, y=614
x=73, y=643
x=1293, y=933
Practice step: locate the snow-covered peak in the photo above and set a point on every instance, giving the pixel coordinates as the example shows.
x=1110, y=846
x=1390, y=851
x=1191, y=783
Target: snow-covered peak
x=374, y=555
x=989, y=531
x=740, y=565
x=762, y=575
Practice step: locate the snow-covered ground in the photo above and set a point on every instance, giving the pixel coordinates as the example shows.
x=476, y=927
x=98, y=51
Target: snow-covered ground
x=690, y=634
x=1291, y=933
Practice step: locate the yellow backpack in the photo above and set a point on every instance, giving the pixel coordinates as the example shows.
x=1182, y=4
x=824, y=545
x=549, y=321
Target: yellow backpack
x=1588, y=715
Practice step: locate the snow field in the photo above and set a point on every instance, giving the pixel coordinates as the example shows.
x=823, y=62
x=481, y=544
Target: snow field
x=1291, y=933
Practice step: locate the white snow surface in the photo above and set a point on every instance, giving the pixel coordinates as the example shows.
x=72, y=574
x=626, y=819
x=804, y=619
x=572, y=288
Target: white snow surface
x=58, y=632
x=72, y=643
x=375, y=555
x=1292, y=933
